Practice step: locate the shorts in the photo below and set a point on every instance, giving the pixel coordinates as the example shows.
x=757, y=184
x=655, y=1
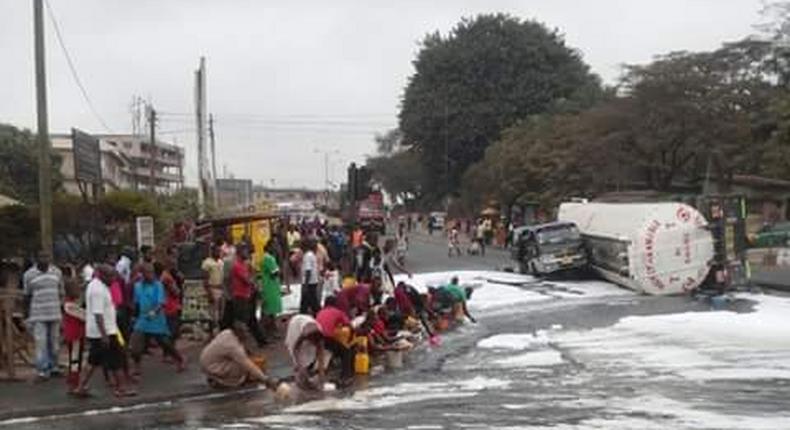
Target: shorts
x=110, y=357
x=216, y=292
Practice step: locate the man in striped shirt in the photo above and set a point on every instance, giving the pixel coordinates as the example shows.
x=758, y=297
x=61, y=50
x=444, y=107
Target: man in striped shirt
x=43, y=289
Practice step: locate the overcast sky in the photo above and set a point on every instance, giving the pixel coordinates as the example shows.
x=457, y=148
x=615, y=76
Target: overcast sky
x=288, y=79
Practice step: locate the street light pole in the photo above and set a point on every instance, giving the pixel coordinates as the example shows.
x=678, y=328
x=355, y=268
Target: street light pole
x=326, y=171
x=44, y=158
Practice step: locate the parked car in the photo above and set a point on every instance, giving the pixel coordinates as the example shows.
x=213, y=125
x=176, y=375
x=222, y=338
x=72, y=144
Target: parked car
x=547, y=248
x=772, y=236
x=438, y=220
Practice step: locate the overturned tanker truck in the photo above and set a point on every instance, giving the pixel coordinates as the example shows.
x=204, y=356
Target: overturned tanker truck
x=653, y=248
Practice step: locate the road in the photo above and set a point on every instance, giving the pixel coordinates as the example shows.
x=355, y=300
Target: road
x=429, y=254
x=548, y=355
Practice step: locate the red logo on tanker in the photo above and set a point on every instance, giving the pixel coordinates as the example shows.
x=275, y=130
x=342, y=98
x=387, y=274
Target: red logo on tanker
x=649, y=255
x=683, y=214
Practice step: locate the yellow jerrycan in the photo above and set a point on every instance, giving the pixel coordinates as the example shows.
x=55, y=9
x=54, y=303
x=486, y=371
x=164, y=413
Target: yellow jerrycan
x=362, y=359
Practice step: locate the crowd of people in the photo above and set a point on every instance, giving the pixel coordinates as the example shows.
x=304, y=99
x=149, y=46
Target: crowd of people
x=126, y=308
x=349, y=303
x=114, y=310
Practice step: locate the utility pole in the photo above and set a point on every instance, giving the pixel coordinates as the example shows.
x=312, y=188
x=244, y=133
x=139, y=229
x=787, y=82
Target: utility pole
x=152, y=148
x=44, y=159
x=200, y=117
x=213, y=146
x=215, y=194
x=326, y=172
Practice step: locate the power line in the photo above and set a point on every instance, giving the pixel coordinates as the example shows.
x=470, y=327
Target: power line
x=289, y=115
x=73, y=69
x=377, y=124
x=177, y=131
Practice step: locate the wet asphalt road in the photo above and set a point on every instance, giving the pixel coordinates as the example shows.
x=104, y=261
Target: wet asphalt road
x=458, y=386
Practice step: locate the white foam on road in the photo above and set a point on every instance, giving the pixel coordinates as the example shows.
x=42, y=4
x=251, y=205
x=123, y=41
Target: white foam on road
x=694, y=345
x=501, y=290
x=515, y=341
x=548, y=357
x=285, y=419
x=404, y=393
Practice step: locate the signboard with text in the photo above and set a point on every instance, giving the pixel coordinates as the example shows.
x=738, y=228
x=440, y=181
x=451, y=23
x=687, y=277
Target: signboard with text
x=87, y=157
x=145, y=231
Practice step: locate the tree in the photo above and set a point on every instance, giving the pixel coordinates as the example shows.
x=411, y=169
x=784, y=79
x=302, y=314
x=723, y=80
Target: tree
x=486, y=74
x=19, y=165
x=179, y=206
x=400, y=174
x=19, y=230
x=690, y=107
x=670, y=120
x=388, y=142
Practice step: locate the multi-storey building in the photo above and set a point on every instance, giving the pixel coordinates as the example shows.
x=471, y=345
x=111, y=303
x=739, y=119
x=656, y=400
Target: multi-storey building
x=126, y=163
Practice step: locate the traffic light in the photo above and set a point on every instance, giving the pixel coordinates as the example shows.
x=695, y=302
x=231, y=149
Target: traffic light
x=352, y=182
x=363, y=182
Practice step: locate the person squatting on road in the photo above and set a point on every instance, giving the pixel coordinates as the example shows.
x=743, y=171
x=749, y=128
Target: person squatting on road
x=226, y=363
x=305, y=344
x=335, y=327
x=450, y=300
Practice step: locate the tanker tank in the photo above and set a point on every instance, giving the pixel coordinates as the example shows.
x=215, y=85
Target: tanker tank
x=652, y=248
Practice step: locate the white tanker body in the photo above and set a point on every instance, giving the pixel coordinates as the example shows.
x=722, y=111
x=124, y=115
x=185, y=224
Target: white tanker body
x=653, y=248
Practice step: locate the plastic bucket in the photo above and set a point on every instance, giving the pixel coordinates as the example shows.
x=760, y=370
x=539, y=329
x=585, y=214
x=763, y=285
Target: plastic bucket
x=394, y=359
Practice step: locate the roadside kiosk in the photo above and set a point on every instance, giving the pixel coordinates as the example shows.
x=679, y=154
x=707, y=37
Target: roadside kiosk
x=254, y=228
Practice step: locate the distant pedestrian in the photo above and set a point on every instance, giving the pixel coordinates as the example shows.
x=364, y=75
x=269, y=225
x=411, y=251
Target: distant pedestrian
x=172, y=307
x=293, y=236
x=309, y=303
x=271, y=289
x=331, y=279
x=480, y=237
x=453, y=242
x=151, y=323
x=244, y=293
x=73, y=330
x=124, y=265
x=43, y=291
x=242, y=286
x=213, y=268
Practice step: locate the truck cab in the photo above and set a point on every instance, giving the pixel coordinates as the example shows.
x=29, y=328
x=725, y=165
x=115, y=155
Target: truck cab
x=548, y=248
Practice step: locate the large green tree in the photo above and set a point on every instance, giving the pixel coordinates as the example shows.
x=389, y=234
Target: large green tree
x=674, y=122
x=690, y=108
x=487, y=73
x=19, y=165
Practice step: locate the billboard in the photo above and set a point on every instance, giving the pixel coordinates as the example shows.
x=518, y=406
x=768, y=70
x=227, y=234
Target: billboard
x=232, y=193
x=87, y=157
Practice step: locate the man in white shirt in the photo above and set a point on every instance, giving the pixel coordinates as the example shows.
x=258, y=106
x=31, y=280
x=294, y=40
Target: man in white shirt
x=101, y=330
x=124, y=266
x=309, y=303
